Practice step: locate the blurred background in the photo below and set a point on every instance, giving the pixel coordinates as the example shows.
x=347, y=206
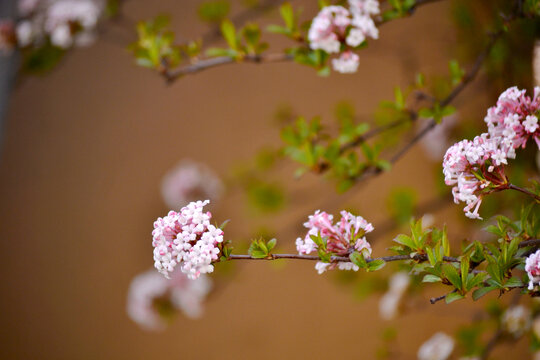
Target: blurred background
x=84, y=152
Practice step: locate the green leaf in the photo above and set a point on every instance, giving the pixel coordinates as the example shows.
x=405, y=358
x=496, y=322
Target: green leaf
x=213, y=11
x=513, y=282
x=229, y=34
x=478, y=293
x=358, y=259
x=375, y=265
x=271, y=244
x=287, y=13
x=276, y=29
x=405, y=240
x=431, y=278
x=453, y=297
x=452, y=275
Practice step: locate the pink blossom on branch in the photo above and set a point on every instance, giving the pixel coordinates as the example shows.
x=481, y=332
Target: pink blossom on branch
x=475, y=168
x=337, y=30
x=342, y=238
x=186, y=239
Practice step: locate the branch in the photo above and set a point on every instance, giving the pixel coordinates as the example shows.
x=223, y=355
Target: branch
x=172, y=75
x=467, y=78
x=524, y=191
x=338, y=258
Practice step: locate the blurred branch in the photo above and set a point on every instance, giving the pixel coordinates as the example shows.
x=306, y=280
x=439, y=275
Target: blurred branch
x=201, y=65
x=466, y=80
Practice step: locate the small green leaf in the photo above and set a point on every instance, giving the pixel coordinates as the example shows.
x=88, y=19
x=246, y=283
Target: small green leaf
x=453, y=297
x=478, y=293
x=375, y=265
x=229, y=34
x=271, y=244
x=452, y=275
x=358, y=259
x=431, y=278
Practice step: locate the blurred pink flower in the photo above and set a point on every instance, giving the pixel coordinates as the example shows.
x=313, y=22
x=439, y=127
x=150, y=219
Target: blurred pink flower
x=190, y=181
x=152, y=300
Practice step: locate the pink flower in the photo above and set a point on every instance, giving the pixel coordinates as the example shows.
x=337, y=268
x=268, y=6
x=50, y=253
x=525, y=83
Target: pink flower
x=532, y=267
x=187, y=239
x=63, y=22
x=189, y=181
x=342, y=238
x=152, y=300
x=513, y=121
x=336, y=30
x=474, y=168
x=346, y=63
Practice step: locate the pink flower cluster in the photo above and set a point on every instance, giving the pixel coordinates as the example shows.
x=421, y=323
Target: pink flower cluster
x=186, y=238
x=342, y=238
x=338, y=30
x=63, y=22
x=514, y=120
x=476, y=167
x=152, y=299
x=532, y=267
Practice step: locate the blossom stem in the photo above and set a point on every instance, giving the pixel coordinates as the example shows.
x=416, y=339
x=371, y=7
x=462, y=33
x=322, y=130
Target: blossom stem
x=337, y=258
x=524, y=191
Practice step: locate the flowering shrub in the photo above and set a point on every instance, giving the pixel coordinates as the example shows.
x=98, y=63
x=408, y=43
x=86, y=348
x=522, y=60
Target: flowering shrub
x=186, y=246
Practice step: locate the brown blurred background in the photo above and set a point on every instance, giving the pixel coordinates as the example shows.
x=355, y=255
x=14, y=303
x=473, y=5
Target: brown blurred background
x=84, y=152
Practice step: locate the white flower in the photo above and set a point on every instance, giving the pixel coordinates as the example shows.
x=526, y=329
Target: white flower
x=438, y=347
x=355, y=37
x=346, y=63
x=531, y=123
x=516, y=320
x=321, y=267
x=389, y=303
x=25, y=33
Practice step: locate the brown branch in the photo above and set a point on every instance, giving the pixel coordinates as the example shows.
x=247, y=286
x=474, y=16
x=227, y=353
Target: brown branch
x=338, y=258
x=524, y=191
x=467, y=78
x=172, y=75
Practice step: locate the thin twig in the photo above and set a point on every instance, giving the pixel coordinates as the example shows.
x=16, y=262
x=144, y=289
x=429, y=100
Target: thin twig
x=467, y=78
x=524, y=191
x=222, y=60
x=338, y=258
